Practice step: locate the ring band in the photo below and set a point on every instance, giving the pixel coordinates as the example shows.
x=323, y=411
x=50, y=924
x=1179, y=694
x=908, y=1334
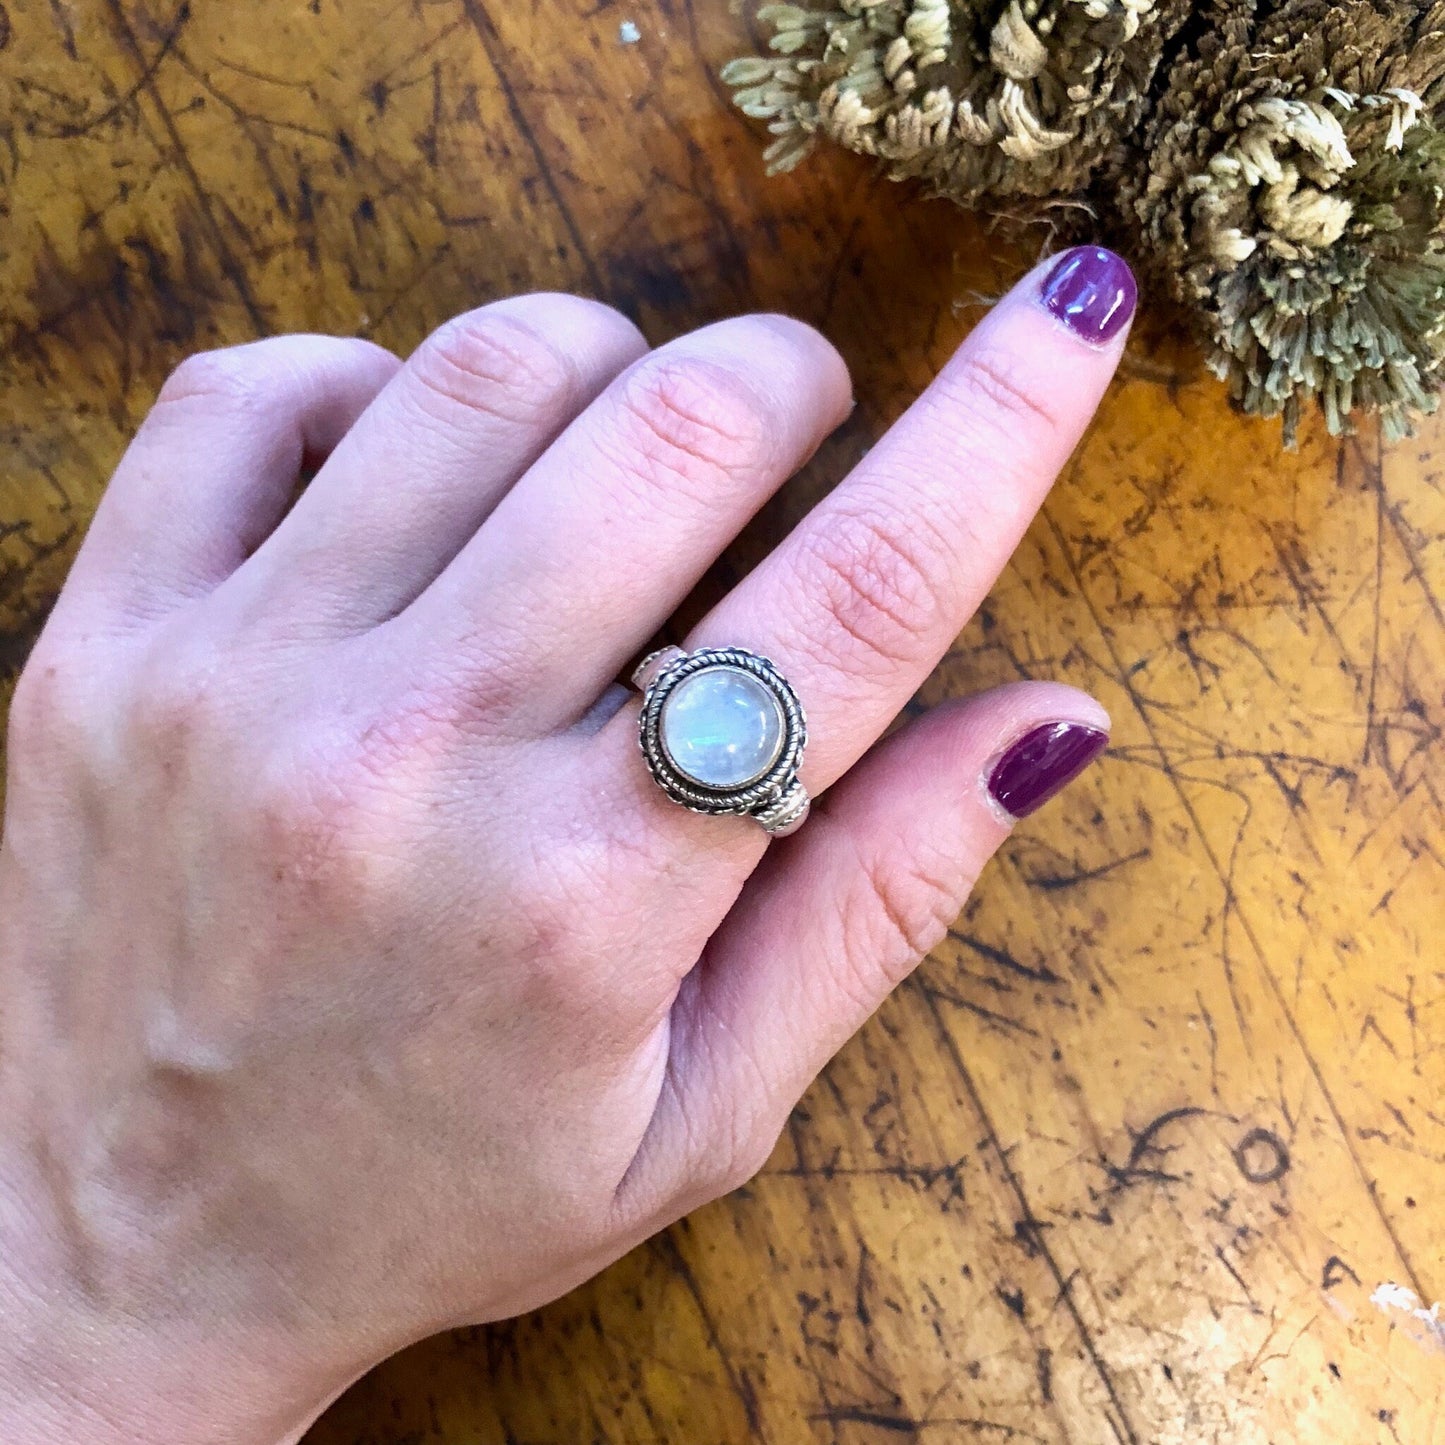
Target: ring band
x=722, y=731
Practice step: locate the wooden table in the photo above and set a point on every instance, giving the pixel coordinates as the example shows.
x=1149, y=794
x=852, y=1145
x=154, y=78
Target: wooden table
x=1129, y=1158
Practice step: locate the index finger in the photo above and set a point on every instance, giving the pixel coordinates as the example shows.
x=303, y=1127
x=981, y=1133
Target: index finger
x=858, y=605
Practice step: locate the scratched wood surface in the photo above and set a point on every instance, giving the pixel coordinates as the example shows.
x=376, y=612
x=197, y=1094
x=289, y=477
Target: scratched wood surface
x=1129, y=1158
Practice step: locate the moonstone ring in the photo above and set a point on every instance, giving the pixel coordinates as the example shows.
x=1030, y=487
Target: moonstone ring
x=723, y=732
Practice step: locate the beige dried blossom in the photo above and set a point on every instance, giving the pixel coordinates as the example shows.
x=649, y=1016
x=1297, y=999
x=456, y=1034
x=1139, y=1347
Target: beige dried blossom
x=1276, y=170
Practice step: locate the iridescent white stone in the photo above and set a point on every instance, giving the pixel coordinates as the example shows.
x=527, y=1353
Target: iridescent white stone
x=722, y=727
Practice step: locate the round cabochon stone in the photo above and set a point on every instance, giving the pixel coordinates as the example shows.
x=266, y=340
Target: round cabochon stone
x=722, y=727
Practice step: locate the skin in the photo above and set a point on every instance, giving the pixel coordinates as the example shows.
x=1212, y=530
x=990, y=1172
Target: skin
x=355, y=978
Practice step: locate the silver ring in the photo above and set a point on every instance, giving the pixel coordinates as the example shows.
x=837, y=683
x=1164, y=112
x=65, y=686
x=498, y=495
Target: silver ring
x=722, y=731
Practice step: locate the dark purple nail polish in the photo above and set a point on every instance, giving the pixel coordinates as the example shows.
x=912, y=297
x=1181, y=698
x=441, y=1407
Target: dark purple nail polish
x=1091, y=291
x=1041, y=763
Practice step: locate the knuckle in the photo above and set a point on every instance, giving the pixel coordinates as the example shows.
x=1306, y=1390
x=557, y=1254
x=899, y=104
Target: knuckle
x=874, y=575
x=693, y=420
x=48, y=703
x=725, y=1137
x=177, y=703
x=405, y=741
x=902, y=910
x=573, y=894
x=998, y=390
x=227, y=380
x=475, y=694
x=361, y=351
x=581, y=901
x=327, y=840
x=558, y=981
x=742, y=1154
x=493, y=365
x=301, y=823
x=564, y=950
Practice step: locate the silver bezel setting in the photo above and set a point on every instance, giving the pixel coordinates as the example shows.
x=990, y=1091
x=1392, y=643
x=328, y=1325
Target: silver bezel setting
x=755, y=797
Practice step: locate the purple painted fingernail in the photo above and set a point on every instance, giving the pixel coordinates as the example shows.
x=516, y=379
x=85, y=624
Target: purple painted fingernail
x=1041, y=763
x=1092, y=291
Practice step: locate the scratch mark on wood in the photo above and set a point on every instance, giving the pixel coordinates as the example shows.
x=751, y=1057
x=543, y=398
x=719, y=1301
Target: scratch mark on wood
x=1119, y=1418
x=491, y=42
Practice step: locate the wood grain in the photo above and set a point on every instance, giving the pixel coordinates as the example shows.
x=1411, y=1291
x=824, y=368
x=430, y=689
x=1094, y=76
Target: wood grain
x=1129, y=1156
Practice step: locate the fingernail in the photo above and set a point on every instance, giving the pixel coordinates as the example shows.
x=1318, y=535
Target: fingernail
x=1041, y=763
x=1092, y=291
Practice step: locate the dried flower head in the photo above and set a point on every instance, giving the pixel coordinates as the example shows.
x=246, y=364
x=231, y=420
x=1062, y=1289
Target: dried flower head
x=1277, y=170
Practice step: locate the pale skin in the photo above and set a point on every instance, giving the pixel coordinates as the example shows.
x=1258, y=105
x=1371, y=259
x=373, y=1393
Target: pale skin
x=355, y=978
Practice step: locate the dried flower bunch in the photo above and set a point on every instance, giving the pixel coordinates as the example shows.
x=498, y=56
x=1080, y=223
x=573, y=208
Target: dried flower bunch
x=1273, y=167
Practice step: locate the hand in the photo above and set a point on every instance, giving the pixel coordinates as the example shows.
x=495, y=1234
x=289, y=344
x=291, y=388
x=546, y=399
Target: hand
x=356, y=979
